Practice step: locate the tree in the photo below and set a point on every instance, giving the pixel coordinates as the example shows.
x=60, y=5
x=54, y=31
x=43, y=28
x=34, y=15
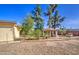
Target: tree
x=56, y=20
x=50, y=10
x=38, y=21
x=28, y=26
x=37, y=17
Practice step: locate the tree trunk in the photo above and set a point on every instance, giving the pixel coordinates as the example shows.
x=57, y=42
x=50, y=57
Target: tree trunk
x=50, y=32
x=55, y=33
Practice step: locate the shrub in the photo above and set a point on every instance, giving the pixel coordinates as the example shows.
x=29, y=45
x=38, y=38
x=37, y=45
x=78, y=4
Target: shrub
x=37, y=33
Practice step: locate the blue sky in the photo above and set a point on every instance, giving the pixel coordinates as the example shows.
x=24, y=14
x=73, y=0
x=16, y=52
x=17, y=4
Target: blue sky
x=17, y=12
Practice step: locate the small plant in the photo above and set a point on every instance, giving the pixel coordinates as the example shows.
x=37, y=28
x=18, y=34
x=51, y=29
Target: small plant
x=37, y=33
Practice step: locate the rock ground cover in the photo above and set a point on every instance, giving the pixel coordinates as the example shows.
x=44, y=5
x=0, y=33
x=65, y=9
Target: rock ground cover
x=41, y=47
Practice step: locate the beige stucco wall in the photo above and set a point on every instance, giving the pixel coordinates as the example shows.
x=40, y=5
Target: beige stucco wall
x=6, y=34
x=16, y=33
x=9, y=33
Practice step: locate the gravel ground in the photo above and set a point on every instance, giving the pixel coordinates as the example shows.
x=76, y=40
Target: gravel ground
x=41, y=47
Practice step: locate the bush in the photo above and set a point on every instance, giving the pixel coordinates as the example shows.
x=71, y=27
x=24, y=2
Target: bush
x=37, y=33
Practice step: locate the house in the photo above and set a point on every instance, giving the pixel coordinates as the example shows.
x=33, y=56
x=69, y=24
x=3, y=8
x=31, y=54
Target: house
x=74, y=32
x=8, y=31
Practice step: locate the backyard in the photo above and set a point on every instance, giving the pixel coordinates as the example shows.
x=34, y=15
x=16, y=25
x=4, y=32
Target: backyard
x=51, y=46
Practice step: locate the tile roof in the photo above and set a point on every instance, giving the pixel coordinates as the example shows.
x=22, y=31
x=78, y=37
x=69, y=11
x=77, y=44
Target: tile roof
x=7, y=24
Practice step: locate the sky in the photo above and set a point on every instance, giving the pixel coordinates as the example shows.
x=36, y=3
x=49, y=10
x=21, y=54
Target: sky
x=17, y=13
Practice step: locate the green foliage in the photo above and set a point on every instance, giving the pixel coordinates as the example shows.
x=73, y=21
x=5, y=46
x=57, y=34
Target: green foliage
x=50, y=10
x=33, y=25
x=36, y=15
x=37, y=33
x=28, y=26
x=54, y=18
x=57, y=19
